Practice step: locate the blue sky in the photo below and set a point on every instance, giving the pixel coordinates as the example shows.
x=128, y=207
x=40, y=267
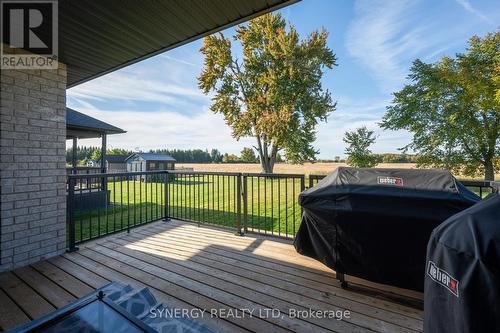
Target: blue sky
x=159, y=104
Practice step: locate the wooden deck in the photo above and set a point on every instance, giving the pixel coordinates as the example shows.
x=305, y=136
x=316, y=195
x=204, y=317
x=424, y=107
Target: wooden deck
x=192, y=267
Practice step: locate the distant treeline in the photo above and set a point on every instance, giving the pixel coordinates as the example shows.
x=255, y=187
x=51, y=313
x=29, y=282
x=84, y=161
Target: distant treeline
x=396, y=158
x=247, y=155
x=83, y=154
x=380, y=158
x=192, y=155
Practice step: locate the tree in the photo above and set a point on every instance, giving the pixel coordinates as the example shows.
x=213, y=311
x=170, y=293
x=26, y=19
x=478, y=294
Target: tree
x=230, y=158
x=96, y=155
x=215, y=156
x=452, y=108
x=118, y=151
x=248, y=155
x=359, y=154
x=274, y=93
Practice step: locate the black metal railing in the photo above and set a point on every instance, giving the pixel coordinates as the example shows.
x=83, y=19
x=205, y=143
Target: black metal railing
x=314, y=179
x=102, y=204
x=207, y=197
x=480, y=187
x=83, y=170
x=270, y=203
x=86, y=183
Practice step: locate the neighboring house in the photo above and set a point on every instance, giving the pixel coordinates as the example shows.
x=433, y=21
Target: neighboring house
x=116, y=163
x=149, y=162
x=92, y=163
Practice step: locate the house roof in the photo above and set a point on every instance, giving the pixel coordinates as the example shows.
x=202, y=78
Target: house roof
x=116, y=158
x=98, y=37
x=83, y=126
x=153, y=157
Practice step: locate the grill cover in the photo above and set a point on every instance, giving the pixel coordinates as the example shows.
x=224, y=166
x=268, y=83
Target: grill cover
x=375, y=223
x=462, y=281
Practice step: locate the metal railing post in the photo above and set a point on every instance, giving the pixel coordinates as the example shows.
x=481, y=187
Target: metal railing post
x=244, y=195
x=166, y=211
x=238, y=203
x=71, y=215
x=302, y=188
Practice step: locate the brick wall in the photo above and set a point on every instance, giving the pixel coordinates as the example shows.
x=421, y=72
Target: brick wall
x=32, y=166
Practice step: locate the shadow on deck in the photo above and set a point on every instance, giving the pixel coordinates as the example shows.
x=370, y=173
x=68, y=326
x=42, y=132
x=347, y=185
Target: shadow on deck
x=251, y=283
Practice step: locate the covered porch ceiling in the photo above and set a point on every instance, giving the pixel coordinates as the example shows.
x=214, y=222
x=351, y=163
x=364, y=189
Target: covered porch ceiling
x=98, y=37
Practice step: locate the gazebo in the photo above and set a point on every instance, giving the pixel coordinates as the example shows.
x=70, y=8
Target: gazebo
x=82, y=126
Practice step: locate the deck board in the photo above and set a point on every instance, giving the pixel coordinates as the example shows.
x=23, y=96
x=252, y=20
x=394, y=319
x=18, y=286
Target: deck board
x=225, y=291
x=11, y=315
x=273, y=269
x=28, y=299
x=253, y=279
x=66, y=281
x=189, y=266
x=48, y=289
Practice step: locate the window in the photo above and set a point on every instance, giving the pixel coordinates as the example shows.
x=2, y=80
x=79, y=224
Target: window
x=151, y=165
x=161, y=166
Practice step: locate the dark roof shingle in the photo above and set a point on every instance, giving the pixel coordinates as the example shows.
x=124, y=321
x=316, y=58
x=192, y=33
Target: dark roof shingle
x=116, y=158
x=153, y=157
x=78, y=120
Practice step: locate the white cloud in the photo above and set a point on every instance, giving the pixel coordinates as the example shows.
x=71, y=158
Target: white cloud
x=177, y=113
x=166, y=129
x=180, y=61
x=132, y=86
x=468, y=7
x=354, y=113
x=385, y=36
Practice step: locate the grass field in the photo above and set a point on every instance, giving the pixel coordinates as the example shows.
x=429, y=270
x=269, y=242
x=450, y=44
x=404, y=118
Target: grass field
x=303, y=169
x=272, y=204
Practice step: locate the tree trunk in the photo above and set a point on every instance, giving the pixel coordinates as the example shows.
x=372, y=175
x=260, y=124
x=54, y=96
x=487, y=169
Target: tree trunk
x=266, y=161
x=266, y=167
x=489, y=170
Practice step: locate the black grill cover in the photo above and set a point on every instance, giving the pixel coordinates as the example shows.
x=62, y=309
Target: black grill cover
x=375, y=223
x=462, y=281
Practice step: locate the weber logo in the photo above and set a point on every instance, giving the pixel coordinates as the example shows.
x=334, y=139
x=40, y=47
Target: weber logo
x=443, y=278
x=390, y=181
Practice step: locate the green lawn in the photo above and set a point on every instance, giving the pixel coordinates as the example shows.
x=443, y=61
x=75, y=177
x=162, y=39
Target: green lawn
x=271, y=207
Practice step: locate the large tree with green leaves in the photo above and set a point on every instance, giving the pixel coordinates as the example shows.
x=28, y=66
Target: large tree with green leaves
x=358, y=148
x=274, y=92
x=452, y=108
